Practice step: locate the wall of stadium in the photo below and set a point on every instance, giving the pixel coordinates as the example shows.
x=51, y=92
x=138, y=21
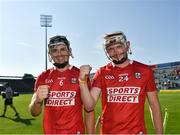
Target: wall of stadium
x=167, y=75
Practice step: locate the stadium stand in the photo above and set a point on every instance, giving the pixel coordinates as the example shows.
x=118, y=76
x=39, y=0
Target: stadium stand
x=23, y=84
x=167, y=75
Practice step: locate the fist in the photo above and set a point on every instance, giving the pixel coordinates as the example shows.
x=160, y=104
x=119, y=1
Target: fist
x=84, y=72
x=42, y=93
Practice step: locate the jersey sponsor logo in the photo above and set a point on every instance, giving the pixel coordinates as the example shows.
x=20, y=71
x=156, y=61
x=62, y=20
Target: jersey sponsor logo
x=123, y=94
x=61, y=98
x=109, y=77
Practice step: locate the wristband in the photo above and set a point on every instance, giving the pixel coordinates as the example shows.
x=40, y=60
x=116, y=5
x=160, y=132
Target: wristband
x=82, y=81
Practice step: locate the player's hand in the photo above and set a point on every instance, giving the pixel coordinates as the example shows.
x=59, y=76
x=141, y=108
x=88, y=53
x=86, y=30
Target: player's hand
x=84, y=72
x=42, y=93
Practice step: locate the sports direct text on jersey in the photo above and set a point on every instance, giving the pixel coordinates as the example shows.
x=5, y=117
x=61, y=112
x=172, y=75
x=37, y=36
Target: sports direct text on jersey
x=123, y=94
x=61, y=98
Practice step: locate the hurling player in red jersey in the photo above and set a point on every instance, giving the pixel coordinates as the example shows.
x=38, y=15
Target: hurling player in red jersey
x=58, y=89
x=124, y=85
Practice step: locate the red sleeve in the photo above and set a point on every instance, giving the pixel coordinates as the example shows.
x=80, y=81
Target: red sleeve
x=97, y=80
x=40, y=80
x=151, y=85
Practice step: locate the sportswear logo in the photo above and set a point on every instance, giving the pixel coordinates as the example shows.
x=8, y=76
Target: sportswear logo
x=49, y=81
x=109, y=77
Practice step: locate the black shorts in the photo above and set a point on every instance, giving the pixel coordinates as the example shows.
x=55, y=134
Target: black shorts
x=8, y=101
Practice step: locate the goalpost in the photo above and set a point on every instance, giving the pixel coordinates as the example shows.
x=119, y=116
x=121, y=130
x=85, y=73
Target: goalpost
x=165, y=120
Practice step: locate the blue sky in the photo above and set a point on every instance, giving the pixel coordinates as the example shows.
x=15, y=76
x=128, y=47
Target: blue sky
x=152, y=27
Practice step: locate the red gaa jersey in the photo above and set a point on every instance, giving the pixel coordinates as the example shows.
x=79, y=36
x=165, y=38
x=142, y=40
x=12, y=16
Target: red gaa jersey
x=123, y=96
x=63, y=107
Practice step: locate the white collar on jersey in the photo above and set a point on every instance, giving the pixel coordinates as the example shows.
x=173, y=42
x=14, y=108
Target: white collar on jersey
x=70, y=67
x=130, y=62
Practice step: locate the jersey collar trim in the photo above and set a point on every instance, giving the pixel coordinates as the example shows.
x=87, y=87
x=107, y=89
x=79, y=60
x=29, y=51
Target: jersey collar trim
x=130, y=62
x=70, y=67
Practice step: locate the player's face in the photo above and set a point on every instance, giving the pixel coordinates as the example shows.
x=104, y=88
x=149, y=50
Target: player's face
x=59, y=53
x=117, y=51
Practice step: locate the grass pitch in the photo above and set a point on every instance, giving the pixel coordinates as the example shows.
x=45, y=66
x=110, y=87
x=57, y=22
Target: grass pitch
x=27, y=124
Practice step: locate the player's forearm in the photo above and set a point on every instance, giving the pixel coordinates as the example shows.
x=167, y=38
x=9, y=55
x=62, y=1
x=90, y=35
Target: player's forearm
x=157, y=117
x=86, y=97
x=90, y=122
x=157, y=120
x=35, y=108
x=155, y=111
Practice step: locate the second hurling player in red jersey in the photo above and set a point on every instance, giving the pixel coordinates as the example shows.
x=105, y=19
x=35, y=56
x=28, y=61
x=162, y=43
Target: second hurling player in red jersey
x=59, y=88
x=124, y=85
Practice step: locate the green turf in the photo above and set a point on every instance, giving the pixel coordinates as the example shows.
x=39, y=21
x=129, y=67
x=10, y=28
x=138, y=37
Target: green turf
x=171, y=101
x=27, y=124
